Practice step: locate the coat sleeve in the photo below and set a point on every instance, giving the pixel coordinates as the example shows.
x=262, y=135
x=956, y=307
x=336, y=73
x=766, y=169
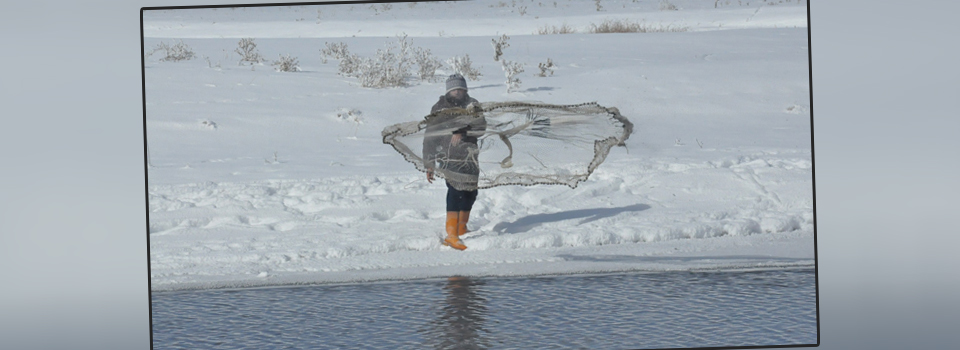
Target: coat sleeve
x=476, y=128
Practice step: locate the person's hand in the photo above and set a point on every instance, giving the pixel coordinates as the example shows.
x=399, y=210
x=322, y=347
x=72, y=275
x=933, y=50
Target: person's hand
x=430, y=176
x=455, y=139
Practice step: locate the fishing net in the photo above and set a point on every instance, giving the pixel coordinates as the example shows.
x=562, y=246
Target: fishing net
x=511, y=143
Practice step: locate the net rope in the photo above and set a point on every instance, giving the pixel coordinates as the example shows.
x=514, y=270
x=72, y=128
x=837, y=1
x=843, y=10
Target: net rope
x=511, y=143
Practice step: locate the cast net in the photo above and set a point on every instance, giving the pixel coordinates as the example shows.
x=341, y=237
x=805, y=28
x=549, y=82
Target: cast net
x=511, y=143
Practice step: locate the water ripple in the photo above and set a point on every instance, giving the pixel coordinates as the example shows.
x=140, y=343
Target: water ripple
x=639, y=310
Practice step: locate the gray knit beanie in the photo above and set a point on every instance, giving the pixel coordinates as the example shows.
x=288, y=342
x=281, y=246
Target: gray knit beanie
x=456, y=81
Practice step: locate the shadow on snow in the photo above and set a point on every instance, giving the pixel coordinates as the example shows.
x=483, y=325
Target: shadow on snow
x=542, y=88
x=588, y=215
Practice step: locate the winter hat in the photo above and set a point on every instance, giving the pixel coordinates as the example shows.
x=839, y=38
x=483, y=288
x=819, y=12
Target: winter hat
x=456, y=81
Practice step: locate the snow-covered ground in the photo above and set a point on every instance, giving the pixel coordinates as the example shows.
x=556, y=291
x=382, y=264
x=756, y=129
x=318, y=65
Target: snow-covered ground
x=258, y=177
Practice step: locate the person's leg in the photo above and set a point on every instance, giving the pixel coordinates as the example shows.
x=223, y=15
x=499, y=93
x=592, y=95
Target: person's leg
x=454, y=199
x=462, y=219
x=464, y=215
x=453, y=217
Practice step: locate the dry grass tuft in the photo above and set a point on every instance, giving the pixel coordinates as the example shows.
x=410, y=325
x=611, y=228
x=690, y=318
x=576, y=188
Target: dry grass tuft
x=563, y=29
x=626, y=26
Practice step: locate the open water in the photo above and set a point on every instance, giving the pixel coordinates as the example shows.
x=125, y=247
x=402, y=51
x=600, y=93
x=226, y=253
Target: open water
x=614, y=311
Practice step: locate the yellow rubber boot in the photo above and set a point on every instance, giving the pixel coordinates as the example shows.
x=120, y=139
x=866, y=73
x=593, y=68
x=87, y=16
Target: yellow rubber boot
x=452, y=240
x=462, y=223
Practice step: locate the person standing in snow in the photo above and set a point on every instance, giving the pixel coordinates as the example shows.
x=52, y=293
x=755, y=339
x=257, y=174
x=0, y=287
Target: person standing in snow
x=450, y=147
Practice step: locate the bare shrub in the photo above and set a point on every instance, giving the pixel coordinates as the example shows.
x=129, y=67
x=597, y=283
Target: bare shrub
x=510, y=70
x=177, y=52
x=349, y=65
x=247, y=50
x=391, y=66
x=545, y=67
x=462, y=65
x=498, y=45
x=427, y=64
x=562, y=29
x=388, y=68
x=383, y=70
x=336, y=51
x=665, y=5
x=626, y=26
x=286, y=63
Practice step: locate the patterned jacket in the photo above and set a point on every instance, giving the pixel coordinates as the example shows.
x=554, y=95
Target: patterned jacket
x=457, y=164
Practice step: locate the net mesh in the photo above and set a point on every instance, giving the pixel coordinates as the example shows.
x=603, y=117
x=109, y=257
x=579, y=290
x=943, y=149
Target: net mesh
x=511, y=143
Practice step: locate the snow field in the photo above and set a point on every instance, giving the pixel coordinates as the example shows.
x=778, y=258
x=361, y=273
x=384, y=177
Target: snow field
x=342, y=225
x=260, y=178
x=484, y=18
